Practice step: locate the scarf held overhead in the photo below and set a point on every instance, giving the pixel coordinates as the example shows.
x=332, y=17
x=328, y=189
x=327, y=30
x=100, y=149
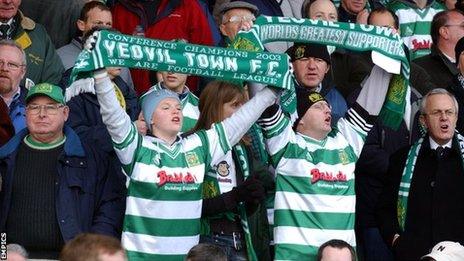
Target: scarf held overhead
x=385, y=42
x=247, y=61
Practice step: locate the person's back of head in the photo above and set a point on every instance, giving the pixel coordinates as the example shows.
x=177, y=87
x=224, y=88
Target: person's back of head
x=206, y=252
x=336, y=249
x=16, y=252
x=93, y=247
x=446, y=251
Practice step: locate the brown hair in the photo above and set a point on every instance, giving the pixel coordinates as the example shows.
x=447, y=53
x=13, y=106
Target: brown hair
x=91, y=5
x=212, y=99
x=88, y=247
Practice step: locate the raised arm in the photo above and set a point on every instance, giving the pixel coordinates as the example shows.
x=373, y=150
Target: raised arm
x=122, y=131
x=231, y=130
x=361, y=116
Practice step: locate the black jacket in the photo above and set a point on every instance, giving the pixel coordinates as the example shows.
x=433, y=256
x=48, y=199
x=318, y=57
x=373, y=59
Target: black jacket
x=373, y=163
x=441, y=70
x=435, y=210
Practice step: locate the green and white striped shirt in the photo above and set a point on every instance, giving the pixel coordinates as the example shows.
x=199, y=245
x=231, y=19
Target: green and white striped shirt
x=415, y=25
x=163, y=210
x=315, y=198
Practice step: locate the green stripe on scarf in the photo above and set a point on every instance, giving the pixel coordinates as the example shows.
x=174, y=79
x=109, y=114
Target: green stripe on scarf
x=113, y=49
x=355, y=37
x=408, y=172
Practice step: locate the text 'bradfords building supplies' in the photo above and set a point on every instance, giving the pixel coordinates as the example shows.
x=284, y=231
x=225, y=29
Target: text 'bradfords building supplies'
x=114, y=49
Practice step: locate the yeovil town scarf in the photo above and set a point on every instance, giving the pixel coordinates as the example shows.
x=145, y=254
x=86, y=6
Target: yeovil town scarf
x=406, y=178
x=246, y=61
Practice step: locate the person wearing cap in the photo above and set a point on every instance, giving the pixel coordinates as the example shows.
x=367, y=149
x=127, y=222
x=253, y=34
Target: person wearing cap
x=166, y=170
x=53, y=186
x=235, y=16
x=445, y=251
x=311, y=63
x=420, y=204
x=176, y=82
x=315, y=198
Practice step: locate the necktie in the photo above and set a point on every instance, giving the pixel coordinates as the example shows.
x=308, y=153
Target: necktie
x=440, y=151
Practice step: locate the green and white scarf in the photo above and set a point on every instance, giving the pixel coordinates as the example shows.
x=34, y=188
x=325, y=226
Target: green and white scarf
x=357, y=37
x=408, y=172
x=254, y=65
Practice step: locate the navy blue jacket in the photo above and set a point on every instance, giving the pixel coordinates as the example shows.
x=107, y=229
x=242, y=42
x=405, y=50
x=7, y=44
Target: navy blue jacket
x=89, y=199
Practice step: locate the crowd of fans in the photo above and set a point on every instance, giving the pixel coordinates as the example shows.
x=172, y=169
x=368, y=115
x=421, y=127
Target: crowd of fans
x=133, y=164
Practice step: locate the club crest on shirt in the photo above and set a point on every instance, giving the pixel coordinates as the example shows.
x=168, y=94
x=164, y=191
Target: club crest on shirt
x=192, y=159
x=344, y=158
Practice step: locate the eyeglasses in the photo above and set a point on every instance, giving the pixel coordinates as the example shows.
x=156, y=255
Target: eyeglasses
x=50, y=109
x=439, y=113
x=10, y=65
x=238, y=19
x=459, y=25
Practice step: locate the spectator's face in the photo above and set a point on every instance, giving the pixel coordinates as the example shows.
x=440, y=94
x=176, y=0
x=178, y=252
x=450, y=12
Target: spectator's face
x=453, y=30
x=450, y=4
x=336, y=254
x=316, y=121
x=47, y=124
x=440, y=118
x=310, y=72
x=12, y=256
x=12, y=69
x=323, y=10
x=8, y=9
x=174, y=81
x=167, y=118
x=234, y=20
x=95, y=17
x=118, y=256
x=231, y=107
x=353, y=6
x=382, y=19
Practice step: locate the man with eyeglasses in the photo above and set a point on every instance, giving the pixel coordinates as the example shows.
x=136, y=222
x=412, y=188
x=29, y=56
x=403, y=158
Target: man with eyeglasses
x=53, y=186
x=12, y=71
x=235, y=16
x=447, y=28
x=422, y=199
x=43, y=64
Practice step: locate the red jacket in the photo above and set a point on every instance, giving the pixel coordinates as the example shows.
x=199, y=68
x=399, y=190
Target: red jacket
x=6, y=127
x=186, y=21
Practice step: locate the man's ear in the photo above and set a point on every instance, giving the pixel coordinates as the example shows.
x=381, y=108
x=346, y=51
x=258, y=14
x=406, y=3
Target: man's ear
x=80, y=25
x=422, y=121
x=443, y=32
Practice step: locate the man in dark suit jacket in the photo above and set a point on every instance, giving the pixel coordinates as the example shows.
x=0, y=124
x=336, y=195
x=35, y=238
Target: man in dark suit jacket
x=420, y=205
x=446, y=29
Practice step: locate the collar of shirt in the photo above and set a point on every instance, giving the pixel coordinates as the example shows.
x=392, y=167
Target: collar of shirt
x=13, y=98
x=434, y=145
x=451, y=59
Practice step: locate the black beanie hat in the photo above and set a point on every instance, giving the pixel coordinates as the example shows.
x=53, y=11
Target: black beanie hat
x=305, y=50
x=304, y=100
x=458, y=49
